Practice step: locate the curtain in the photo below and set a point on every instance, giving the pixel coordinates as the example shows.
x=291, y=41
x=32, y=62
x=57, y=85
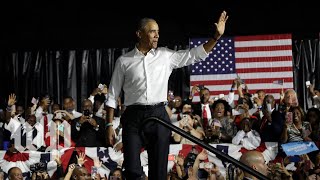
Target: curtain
x=63, y=73
x=306, y=62
x=76, y=73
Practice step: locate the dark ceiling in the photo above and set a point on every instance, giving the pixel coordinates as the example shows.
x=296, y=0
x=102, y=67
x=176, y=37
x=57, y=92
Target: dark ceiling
x=97, y=24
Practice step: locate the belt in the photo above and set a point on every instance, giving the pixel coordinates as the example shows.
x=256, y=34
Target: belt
x=145, y=107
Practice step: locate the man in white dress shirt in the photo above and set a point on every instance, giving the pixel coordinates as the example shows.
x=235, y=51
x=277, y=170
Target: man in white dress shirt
x=143, y=74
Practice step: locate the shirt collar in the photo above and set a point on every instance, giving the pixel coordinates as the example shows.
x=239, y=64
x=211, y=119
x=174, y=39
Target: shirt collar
x=206, y=105
x=139, y=53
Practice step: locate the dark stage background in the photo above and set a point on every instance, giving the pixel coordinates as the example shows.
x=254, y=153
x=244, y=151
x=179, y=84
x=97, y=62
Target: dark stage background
x=67, y=48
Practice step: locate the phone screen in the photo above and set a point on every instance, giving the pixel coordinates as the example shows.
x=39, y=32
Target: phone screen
x=289, y=117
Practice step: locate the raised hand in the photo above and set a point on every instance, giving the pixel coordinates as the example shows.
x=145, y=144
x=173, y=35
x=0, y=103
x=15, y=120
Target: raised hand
x=203, y=155
x=81, y=159
x=71, y=168
x=220, y=25
x=96, y=162
x=12, y=99
x=105, y=89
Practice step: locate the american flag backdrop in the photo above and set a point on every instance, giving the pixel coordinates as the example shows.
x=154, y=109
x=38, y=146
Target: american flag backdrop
x=262, y=61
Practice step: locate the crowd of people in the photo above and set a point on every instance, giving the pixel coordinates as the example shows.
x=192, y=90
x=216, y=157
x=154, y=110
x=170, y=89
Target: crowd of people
x=249, y=121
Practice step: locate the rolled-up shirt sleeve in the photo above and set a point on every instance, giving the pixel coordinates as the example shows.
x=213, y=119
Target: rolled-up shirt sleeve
x=183, y=58
x=115, y=85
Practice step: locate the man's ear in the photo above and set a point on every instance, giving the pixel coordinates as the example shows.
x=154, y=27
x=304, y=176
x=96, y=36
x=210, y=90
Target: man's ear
x=138, y=33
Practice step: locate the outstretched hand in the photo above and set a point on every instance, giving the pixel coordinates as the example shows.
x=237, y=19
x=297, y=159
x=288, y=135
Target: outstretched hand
x=220, y=25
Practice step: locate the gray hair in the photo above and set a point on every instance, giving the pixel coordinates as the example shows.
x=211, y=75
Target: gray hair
x=143, y=22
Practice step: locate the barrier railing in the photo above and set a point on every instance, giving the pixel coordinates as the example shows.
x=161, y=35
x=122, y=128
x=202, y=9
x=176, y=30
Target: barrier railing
x=218, y=153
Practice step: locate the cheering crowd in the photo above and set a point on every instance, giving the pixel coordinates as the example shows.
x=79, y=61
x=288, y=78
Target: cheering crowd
x=250, y=121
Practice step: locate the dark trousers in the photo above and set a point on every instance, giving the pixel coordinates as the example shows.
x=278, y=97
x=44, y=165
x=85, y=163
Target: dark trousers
x=155, y=138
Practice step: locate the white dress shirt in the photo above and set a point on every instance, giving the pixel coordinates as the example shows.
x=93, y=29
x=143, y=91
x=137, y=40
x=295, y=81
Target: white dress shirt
x=250, y=140
x=144, y=78
x=14, y=125
x=209, y=116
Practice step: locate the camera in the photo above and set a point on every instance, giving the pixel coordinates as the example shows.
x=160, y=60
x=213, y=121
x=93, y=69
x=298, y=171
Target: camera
x=185, y=119
x=86, y=112
x=40, y=166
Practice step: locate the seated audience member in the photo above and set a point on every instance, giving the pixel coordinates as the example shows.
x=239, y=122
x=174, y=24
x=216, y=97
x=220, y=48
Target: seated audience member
x=246, y=136
x=88, y=130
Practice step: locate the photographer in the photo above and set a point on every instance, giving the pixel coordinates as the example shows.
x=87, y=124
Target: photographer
x=39, y=171
x=88, y=130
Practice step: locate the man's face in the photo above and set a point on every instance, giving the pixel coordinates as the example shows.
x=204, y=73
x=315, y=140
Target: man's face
x=149, y=36
x=87, y=105
x=16, y=174
x=205, y=96
x=32, y=120
x=68, y=104
x=261, y=95
x=20, y=110
x=261, y=165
